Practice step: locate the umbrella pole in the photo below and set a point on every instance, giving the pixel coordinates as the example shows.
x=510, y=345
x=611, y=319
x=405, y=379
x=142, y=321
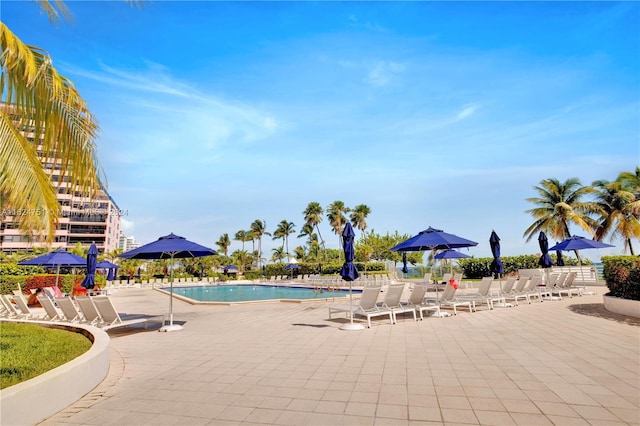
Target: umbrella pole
x=171, y=326
x=351, y=326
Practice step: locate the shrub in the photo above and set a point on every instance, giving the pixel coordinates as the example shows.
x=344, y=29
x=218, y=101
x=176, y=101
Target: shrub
x=622, y=274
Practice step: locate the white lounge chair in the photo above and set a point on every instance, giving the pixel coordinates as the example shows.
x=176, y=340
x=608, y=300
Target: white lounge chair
x=11, y=308
x=532, y=290
x=52, y=313
x=391, y=302
x=417, y=302
x=112, y=319
x=483, y=295
x=69, y=310
x=367, y=306
x=448, y=299
x=566, y=287
x=27, y=313
x=88, y=309
x=517, y=290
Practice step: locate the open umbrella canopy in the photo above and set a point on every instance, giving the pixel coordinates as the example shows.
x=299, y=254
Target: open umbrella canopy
x=89, y=280
x=577, y=242
x=105, y=264
x=169, y=247
x=433, y=239
x=545, y=260
x=292, y=266
x=56, y=259
x=451, y=254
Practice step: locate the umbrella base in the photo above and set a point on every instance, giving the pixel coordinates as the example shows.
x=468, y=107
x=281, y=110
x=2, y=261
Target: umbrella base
x=352, y=327
x=171, y=327
x=441, y=314
x=503, y=305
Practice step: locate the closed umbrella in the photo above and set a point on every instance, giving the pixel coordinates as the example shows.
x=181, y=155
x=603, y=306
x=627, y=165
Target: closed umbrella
x=349, y=272
x=496, y=265
x=404, y=262
x=89, y=280
x=545, y=260
x=169, y=247
x=559, y=258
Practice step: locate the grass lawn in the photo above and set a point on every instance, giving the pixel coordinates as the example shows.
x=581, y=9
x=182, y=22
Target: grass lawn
x=29, y=350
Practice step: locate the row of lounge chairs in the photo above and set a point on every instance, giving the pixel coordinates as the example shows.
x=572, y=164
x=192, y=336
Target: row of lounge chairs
x=511, y=292
x=98, y=311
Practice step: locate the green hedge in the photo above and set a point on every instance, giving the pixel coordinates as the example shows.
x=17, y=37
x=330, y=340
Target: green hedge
x=8, y=283
x=622, y=274
x=475, y=268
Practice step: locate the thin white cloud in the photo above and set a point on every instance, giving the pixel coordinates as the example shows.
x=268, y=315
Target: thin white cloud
x=383, y=72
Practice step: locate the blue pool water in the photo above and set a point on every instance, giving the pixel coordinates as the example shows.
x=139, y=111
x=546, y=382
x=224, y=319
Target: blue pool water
x=250, y=293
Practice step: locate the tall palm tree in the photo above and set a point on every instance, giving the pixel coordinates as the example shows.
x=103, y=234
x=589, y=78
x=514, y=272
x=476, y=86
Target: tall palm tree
x=631, y=182
x=559, y=205
x=313, y=217
x=336, y=213
x=224, y=242
x=284, y=229
x=258, y=229
x=619, y=212
x=242, y=236
x=359, y=215
x=41, y=105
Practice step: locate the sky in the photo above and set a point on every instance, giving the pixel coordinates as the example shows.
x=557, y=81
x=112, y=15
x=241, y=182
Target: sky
x=441, y=114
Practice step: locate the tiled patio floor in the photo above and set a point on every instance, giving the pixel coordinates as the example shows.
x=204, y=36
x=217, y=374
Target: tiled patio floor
x=558, y=362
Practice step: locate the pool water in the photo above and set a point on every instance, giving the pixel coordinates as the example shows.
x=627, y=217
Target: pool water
x=251, y=293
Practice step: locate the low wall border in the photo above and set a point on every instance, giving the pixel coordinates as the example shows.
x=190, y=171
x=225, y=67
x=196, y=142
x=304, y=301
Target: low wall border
x=621, y=306
x=34, y=400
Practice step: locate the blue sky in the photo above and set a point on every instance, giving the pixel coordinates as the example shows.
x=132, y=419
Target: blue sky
x=214, y=114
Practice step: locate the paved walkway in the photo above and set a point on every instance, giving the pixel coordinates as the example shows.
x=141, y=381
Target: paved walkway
x=558, y=362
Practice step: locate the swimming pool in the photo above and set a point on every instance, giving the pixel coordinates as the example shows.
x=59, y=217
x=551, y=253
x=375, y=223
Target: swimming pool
x=253, y=293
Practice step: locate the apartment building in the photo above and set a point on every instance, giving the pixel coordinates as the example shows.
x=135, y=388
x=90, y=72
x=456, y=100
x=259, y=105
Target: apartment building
x=81, y=219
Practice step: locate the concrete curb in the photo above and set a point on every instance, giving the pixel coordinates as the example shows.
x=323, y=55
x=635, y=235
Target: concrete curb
x=31, y=402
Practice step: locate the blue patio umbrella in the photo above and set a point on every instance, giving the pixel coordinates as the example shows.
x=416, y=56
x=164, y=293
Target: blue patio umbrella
x=577, y=243
x=89, y=280
x=169, y=247
x=545, y=260
x=292, y=266
x=56, y=259
x=433, y=239
x=349, y=272
x=450, y=254
x=110, y=267
x=496, y=265
x=230, y=269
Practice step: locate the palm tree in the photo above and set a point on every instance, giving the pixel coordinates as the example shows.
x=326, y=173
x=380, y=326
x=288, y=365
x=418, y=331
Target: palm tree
x=242, y=236
x=258, y=229
x=336, y=212
x=313, y=217
x=558, y=206
x=224, y=242
x=631, y=182
x=619, y=212
x=359, y=215
x=40, y=104
x=278, y=254
x=284, y=229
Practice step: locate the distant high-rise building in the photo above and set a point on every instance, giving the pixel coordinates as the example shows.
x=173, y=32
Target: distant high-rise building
x=81, y=219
